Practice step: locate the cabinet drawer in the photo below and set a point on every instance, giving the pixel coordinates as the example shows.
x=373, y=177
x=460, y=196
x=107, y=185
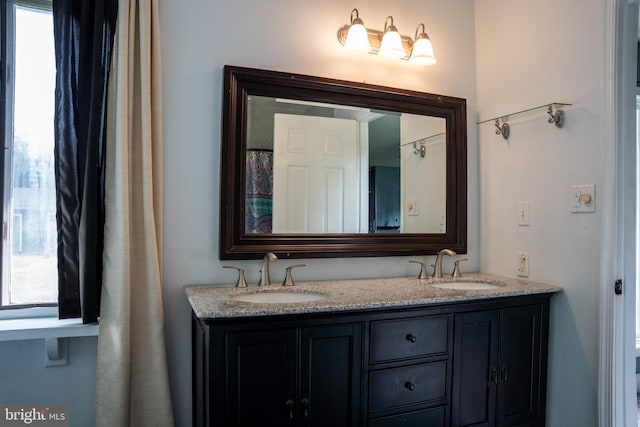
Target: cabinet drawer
x=407, y=338
x=429, y=417
x=389, y=388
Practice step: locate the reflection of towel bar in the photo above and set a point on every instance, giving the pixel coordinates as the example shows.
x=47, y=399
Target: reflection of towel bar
x=422, y=149
x=424, y=140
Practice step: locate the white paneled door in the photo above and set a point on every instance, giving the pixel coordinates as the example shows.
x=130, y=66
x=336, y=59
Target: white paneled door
x=316, y=175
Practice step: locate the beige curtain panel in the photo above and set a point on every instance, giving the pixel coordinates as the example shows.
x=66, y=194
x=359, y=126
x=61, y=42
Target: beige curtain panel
x=132, y=381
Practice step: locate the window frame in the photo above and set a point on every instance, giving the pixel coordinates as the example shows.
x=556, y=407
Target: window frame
x=7, y=82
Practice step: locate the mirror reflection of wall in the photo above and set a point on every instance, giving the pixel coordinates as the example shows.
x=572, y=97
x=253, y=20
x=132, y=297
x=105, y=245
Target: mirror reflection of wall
x=423, y=179
x=386, y=173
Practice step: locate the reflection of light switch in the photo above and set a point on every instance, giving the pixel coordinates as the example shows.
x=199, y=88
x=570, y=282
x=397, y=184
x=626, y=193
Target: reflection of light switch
x=412, y=206
x=582, y=198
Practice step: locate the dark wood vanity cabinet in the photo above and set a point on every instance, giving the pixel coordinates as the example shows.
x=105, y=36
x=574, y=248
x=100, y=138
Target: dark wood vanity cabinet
x=499, y=367
x=480, y=363
x=268, y=374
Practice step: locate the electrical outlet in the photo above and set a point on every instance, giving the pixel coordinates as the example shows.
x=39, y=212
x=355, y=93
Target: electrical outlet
x=523, y=264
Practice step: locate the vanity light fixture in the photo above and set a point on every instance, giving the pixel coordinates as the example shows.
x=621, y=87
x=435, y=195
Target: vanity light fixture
x=389, y=42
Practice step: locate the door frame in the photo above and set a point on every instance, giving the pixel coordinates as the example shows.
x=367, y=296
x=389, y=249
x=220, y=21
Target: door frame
x=616, y=377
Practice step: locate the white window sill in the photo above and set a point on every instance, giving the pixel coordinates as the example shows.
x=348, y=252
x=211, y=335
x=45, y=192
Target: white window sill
x=45, y=327
x=43, y=324
x=38, y=326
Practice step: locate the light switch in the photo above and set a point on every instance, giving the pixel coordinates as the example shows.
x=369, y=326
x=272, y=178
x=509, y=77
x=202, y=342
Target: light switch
x=582, y=198
x=523, y=213
x=412, y=206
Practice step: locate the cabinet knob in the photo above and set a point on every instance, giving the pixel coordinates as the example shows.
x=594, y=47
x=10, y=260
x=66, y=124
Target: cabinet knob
x=503, y=374
x=289, y=404
x=305, y=407
x=410, y=386
x=411, y=338
x=493, y=375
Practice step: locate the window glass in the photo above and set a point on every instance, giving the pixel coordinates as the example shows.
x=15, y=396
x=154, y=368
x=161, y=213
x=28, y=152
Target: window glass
x=30, y=258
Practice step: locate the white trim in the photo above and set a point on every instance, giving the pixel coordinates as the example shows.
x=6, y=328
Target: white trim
x=616, y=403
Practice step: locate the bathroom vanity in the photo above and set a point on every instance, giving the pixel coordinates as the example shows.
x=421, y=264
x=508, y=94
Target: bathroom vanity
x=376, y=352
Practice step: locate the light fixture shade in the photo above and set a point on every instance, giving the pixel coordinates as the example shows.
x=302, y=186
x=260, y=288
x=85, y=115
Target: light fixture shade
x=422, y=52
x=392, y=45
x=357, y=38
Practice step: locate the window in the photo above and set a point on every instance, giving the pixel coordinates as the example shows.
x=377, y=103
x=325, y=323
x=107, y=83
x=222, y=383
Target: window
x=29, y=254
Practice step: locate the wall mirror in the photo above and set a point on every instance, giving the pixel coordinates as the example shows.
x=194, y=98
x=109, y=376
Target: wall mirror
x=315, y=167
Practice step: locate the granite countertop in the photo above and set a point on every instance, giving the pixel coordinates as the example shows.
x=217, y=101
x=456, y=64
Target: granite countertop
x=215, y=301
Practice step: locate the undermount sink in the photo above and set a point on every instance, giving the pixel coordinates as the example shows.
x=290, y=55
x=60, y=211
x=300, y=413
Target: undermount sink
x=276, y=297
x=465, y=286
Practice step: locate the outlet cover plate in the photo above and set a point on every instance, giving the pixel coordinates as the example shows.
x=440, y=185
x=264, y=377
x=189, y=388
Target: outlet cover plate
x=523, y=264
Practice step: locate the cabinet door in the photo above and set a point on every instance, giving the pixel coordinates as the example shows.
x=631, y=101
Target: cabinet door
x=261, y=370
x=331, y=359
x=520, y=366
x=475, y=357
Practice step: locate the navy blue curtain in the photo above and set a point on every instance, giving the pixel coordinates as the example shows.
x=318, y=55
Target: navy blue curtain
x=83, y=32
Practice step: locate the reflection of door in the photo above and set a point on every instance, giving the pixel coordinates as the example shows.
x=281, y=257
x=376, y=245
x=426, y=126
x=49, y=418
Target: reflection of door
x=316, y=175
x=384, y=205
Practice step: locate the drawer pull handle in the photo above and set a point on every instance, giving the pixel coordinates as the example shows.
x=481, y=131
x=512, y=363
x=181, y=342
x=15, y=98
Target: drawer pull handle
x=411, y=338
x=410, y=386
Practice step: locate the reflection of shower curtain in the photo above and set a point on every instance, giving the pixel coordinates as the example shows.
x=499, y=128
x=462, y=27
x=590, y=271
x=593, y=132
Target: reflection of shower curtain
x=259, y=192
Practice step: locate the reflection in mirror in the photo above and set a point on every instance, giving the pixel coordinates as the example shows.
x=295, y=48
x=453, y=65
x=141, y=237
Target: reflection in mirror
x=327, y=168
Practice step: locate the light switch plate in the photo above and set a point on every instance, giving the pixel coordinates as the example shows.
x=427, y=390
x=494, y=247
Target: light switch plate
x=523, y=213
x=412, y=206
x=582, y=198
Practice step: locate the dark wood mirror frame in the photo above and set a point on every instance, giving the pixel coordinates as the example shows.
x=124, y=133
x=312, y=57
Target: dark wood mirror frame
x=241, y=82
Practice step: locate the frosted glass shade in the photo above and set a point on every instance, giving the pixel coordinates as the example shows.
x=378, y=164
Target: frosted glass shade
x=357, y=39
x=422, y=52
x=392, y=45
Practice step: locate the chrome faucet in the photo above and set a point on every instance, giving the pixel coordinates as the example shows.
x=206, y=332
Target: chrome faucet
x=437, y=268
x=265, y=280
